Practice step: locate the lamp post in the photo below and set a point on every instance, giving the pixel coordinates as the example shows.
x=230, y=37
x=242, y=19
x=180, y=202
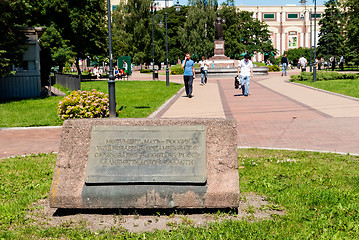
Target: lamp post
x=310, y=20
x=315, y=41
x=153, y=47
x=167, y=70
x=178, y=6
x=111, y=81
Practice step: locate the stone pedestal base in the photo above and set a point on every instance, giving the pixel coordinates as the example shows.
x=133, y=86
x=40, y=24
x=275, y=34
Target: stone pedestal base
x=219, y=59
x=101, y=164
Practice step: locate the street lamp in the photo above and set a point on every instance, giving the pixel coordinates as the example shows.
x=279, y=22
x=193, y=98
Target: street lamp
x=310, y=20
x=178, y=6
x=153, y=47
x=167, y=71
x=160, y=24
x=315, y=42
x=111, y=81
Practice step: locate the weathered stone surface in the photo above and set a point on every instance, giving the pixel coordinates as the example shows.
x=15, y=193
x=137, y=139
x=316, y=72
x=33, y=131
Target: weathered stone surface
x=221, y=188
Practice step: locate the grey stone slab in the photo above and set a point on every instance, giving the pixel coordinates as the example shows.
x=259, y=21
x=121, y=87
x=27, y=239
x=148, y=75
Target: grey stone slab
x=138, y=196
x=145, y=154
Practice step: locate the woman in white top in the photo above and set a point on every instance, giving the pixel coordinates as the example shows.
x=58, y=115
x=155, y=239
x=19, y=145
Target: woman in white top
x=204, y=67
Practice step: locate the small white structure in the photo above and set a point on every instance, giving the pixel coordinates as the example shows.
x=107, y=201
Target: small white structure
x=26, y=83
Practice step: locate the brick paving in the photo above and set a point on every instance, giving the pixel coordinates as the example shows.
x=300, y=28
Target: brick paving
x=24, y=141
x=268, y=119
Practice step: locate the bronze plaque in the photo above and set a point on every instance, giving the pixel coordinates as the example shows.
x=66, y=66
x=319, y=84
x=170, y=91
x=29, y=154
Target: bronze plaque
x=147, y=154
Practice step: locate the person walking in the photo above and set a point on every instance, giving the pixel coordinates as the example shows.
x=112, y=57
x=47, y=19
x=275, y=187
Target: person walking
x=116, y=73
x=204, y=68
x=124, y=66
x=95, y=71
x=333, y=62
x=303, y=63
x=284, y=64
x=341, y=62
x=188, y=75
x=245, y=71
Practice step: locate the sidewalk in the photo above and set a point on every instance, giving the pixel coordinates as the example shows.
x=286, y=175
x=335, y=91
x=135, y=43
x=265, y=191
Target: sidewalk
x=277, y=114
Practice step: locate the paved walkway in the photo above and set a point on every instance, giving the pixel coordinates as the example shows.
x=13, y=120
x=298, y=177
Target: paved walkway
x=277, y=114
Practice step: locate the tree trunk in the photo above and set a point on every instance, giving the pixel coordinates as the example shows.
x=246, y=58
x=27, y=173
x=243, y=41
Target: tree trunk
x=61, y=68
x=78, y=66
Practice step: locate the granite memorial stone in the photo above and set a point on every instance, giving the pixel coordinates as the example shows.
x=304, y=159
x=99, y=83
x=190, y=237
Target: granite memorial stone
x=146, y=163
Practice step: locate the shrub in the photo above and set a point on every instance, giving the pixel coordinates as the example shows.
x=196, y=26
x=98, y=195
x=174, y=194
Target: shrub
x=274, y=68
x=177, y=71
x=323, y=76
x=146, y=70
x=84, y=104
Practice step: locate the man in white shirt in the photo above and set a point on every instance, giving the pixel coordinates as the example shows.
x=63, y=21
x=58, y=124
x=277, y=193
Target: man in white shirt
x=95, y=72
x=204, y=67
x=245, y=71
x=303, y=63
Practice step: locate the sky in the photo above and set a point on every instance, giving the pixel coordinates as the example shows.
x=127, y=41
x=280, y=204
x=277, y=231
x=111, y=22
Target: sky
x=264, y=2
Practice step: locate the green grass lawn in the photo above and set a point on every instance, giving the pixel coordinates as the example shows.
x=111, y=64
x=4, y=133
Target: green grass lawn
x=348, y=87
x=343, y=83
x=318, y=192
x=30, y=112
x=137, y=99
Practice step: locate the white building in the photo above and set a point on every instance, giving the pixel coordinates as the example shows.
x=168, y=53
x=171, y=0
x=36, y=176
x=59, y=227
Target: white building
x=289, y=25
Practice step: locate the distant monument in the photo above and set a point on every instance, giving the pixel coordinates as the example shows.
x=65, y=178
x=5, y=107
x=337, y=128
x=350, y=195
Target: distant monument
x=219, y=28
x=219, y=59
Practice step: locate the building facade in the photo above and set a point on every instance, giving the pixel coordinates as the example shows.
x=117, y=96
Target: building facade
x=290, y=26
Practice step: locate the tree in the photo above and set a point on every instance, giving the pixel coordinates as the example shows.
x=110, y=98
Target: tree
x=294, y=54
x=12, y=40
x=132, y=30
x=244, y=34
x=59, y=48
x=331, y=36
x=352, y=28
x=175, y=21
x=197, y=33
x=85, y=28
x=74, y=28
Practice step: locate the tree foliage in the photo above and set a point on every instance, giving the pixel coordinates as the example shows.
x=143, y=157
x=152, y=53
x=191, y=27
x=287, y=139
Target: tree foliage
x=197, y=32
x=189, y=30
x=294, y=54
x=74, y=28
x=12, y=39
x=352, y=28
x=132, y=30
x=244, y=34
x=331, y=36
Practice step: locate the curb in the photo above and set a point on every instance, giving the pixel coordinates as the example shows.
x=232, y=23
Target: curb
x=160, y=111
x=324, y=91
x=29, y=128
x=298, y=149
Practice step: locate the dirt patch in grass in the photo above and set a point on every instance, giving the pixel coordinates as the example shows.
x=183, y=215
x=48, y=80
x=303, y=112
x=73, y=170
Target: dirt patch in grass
x=252, y=208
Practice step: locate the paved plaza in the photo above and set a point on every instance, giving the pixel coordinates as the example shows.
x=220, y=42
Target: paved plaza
x=277, y=114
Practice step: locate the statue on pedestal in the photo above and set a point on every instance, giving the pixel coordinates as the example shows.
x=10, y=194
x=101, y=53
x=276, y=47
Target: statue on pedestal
x=219, y=28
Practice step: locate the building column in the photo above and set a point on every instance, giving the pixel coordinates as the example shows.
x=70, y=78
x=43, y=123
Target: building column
x=284, y=42
x=278, y=38
x=302, y=40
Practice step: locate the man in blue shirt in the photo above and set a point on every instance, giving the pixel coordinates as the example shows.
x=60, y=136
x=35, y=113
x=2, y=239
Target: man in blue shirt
x=188, y=74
